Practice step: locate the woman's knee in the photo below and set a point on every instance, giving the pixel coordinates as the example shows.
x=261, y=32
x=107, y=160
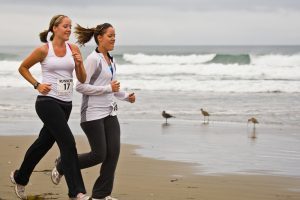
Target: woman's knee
x=98, y=157
x=68, y=147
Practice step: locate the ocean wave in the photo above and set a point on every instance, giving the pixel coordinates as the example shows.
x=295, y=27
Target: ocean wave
x=276, y=60
x=243, y=59
x=211, y=71
x=214, y=77
x=143, y=59
x=225, y=59
x=8, y=56
x=271, y=60
x=10, y=76
x=227, y=86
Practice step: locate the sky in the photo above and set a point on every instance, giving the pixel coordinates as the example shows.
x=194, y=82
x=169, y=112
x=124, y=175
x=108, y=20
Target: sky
x=160, y=22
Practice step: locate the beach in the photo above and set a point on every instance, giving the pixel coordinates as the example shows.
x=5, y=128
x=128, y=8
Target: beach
x=144, y=178
x=225, y=159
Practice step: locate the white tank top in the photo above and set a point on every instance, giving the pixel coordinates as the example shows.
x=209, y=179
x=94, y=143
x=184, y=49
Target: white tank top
x=58, y=71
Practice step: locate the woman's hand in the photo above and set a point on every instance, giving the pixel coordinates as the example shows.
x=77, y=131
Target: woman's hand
x=77, y=58
x=131, y=97
x=115, y=86
x=79, y=68
x=44, y=88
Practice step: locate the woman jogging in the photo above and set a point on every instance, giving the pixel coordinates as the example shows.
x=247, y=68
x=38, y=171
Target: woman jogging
x=98, y=110
x=58, y=60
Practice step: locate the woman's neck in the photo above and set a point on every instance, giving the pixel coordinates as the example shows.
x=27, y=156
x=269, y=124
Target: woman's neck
x=105, y=54
x=102, y=50
x=58, y=42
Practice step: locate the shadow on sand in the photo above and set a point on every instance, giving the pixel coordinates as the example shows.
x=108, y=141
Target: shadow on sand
x=42, y=196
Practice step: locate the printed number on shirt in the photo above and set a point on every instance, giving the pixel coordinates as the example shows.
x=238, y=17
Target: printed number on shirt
x=114, y=109
x=64, y=86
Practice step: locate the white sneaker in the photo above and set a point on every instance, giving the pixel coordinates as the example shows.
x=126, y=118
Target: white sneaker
x=81, y=197
x=19, y=189
x=106, y=198
x=55, y=176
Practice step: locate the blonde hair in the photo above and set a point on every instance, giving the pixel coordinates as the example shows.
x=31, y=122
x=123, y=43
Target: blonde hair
x=55, y=21
x=84, y=35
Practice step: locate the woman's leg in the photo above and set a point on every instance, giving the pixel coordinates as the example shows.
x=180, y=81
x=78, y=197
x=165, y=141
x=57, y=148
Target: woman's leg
x=53, y=114
x=95, y=133
x=33, y=155
x=104, y=184
x=104, y=138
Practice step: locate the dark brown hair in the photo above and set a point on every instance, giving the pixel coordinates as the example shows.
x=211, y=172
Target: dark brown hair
x=55, y=21
x=83, y=35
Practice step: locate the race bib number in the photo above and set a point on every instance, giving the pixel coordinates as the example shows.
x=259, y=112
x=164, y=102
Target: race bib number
x=64, y=86
x=114, y=109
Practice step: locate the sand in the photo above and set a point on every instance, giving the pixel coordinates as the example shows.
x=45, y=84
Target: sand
x=139, y=178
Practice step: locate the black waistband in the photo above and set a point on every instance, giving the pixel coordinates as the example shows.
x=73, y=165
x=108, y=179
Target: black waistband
x=47, y=98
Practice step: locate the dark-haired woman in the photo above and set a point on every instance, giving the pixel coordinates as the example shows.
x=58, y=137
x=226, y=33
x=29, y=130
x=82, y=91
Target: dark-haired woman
x=58, y=60
x=98, y=110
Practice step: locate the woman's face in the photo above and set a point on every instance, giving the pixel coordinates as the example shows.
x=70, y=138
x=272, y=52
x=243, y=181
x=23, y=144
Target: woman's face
x=63, y=29
x=107, y=41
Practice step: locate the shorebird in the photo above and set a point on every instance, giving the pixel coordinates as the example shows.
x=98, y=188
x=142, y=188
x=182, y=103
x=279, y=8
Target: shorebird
x=205, y=114
x=166, y=115
x=253, y=120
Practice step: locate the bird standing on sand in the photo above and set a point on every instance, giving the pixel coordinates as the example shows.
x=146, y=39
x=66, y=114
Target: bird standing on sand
x=166, y=115
x=253, y=120
x=205, y=114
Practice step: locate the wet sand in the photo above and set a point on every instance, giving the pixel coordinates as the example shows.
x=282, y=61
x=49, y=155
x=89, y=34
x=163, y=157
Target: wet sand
x=143, y=178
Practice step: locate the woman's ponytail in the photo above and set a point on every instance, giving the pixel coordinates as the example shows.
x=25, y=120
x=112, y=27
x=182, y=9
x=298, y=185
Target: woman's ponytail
x=43, y=36
x=83, y=35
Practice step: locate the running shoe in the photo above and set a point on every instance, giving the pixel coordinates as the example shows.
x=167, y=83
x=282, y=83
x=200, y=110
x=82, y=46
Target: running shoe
x=19, y=189
x=55, y=176
x=81, y=197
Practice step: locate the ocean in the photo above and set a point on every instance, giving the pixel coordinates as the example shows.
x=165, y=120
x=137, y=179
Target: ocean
x=233, y=83
x=192, y=68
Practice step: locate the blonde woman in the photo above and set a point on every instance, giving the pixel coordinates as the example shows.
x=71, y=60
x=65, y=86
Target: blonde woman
x=58, y=60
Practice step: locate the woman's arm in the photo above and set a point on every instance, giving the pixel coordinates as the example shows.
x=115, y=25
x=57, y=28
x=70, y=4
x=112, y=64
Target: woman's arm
x=38, y=55
x=124, y=96
x=79, y=67
x=87, y=88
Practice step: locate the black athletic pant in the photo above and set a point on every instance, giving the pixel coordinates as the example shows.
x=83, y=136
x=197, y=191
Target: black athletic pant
x=54, y=114
x=104, y=138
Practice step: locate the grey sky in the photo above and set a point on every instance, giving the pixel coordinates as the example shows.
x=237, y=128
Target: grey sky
x=161, y=22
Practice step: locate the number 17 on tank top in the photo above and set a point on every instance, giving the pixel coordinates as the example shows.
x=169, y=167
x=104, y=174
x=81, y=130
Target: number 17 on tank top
x=64, y=86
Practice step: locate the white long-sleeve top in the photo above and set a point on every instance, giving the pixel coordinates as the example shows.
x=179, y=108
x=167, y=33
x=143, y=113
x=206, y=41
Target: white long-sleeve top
x=97, y=92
